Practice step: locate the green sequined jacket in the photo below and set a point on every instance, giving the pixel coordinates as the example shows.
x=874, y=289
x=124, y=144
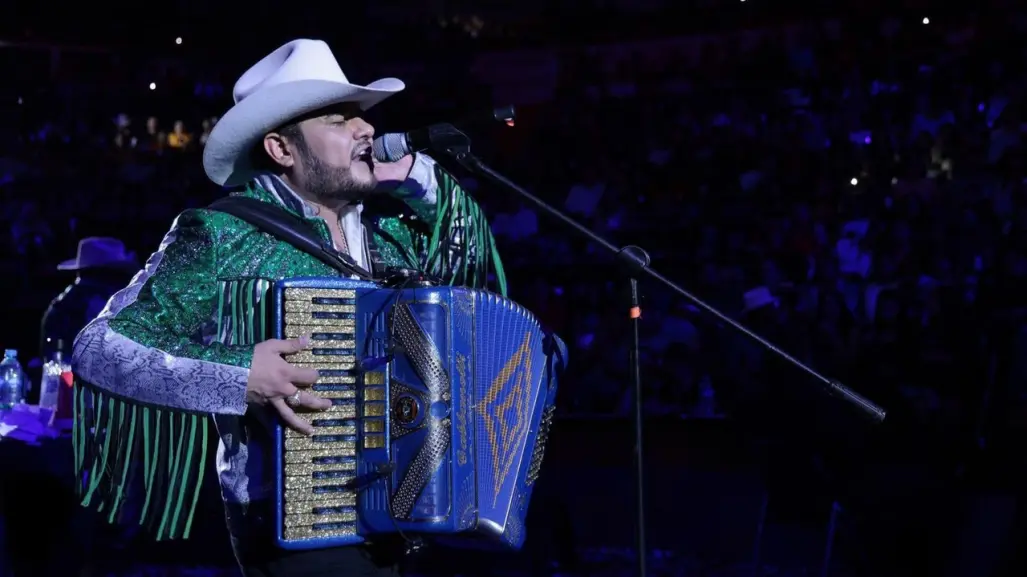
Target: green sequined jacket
x=169, y=356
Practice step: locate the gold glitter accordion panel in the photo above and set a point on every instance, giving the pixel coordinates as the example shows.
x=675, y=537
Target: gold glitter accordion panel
x=316, y=476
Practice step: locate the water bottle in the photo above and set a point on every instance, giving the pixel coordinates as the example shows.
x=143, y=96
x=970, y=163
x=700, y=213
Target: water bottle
x=12, y=381
x=50, y=385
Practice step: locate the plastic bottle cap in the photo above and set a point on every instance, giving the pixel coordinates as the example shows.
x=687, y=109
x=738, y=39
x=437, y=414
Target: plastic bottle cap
x=10, y=352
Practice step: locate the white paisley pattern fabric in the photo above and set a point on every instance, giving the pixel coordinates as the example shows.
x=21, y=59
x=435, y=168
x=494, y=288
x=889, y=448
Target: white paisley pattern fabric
x=125, y=368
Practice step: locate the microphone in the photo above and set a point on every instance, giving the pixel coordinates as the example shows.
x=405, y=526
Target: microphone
x=393, y=146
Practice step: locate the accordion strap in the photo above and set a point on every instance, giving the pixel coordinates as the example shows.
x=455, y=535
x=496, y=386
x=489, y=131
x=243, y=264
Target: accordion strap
x=289, y=228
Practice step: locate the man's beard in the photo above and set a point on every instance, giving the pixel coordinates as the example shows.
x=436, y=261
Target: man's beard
x=330, y=184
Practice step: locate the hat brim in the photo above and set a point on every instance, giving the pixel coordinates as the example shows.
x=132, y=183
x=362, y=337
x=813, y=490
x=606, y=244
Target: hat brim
x=74, y=264
x=226, y=156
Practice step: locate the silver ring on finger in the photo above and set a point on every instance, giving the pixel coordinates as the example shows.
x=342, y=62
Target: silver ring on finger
x=293, y=399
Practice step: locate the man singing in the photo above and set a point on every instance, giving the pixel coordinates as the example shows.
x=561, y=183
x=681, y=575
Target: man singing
x=187, y=345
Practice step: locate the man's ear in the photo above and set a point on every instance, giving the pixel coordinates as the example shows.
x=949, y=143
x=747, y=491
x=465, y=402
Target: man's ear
x=276, y=148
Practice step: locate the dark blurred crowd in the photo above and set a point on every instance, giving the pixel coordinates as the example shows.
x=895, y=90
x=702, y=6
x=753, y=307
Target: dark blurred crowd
x=853, y=193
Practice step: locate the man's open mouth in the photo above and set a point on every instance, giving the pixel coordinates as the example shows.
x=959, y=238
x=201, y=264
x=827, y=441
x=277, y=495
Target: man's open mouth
x=363, y=153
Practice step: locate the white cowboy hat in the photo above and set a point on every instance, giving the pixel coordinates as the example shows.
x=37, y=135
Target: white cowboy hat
x=758, y=297
x=298, y=78
x=100, y=252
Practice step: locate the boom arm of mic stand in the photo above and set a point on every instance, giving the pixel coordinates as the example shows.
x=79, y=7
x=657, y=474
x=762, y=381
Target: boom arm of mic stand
x=637, y=263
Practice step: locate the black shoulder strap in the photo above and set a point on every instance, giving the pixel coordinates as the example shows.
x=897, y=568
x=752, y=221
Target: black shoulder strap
x=289, y=228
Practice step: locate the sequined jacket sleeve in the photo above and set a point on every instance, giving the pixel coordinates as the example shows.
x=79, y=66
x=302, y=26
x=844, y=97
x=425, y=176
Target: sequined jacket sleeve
x=424, y=186
x=154, y=342
x=461, y=250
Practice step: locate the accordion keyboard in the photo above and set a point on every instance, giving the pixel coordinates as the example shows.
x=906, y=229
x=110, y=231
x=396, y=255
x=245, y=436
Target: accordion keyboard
x=319, y=470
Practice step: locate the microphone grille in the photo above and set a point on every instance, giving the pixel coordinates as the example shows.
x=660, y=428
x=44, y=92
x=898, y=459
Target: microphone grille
x=389, y=147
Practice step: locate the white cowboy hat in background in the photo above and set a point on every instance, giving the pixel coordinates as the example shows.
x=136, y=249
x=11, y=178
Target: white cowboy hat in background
x=758, y=297
x=100, y=252
x=300, y=77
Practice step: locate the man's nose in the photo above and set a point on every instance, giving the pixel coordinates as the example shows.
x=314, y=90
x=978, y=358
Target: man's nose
x=363, y=129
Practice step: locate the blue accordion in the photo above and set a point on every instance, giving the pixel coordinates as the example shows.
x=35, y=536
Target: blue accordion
x=442, y=401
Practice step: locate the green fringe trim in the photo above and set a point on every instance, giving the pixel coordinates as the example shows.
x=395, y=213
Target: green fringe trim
x=109, y=437
x=462, y=209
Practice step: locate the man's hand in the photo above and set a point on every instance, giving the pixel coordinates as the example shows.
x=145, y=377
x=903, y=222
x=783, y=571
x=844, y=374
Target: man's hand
x=392, y=174
x=272, y=381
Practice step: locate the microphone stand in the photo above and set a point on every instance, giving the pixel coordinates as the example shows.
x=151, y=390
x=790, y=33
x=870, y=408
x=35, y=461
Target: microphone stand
x=635, y=263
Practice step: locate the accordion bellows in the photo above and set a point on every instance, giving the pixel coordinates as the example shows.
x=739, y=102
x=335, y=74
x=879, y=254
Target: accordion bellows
x=442, y=401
